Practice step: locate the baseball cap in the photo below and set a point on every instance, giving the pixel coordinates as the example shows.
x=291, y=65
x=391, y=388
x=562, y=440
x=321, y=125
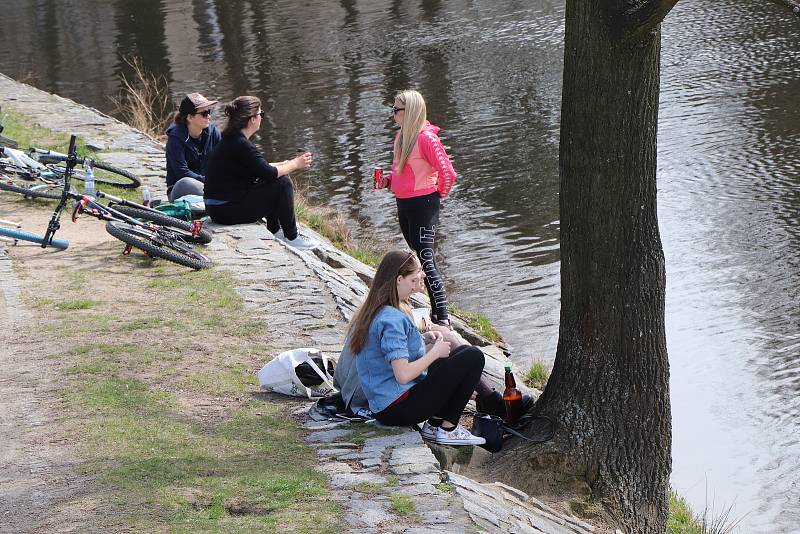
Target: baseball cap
x=194, y=103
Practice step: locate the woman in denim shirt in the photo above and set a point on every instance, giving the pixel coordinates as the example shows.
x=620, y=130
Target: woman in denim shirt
x=404, y=383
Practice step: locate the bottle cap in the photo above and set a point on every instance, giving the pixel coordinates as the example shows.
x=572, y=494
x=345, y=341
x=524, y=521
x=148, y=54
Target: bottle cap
x=508, y=367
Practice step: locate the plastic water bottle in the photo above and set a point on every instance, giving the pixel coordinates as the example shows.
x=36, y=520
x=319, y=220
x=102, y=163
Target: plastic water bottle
x=88, y=182
x=145, y=196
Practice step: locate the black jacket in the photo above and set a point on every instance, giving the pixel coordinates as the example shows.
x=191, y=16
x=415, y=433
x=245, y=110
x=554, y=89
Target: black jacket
x=234, y=166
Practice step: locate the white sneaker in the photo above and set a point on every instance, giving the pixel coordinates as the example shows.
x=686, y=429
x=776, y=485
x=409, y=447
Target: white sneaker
x=279, y=234
x=300, y=242
x=428, y=431
x=458, y=436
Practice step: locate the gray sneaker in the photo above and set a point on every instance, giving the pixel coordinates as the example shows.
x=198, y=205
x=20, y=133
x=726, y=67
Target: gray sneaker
x=428, y=431
x=301, y=242
x=279, y=234
x=458, y=436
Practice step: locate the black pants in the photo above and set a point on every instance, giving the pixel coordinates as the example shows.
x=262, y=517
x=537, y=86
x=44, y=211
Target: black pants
x=443, y=393
x=273, y=200
x=418, y=217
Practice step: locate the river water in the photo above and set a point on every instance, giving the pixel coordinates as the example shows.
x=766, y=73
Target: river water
x=728, y=173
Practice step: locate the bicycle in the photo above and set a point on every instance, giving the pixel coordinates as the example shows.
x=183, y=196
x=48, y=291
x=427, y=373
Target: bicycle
x=42, y=172
x=15, y=234
x=155, y=240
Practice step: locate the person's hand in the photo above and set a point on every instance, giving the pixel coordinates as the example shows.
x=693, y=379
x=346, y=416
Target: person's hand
x=430, y=338
x=303, y=161
x=435, y=327
x=440, y=349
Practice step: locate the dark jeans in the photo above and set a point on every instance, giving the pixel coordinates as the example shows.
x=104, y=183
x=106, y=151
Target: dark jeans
x=443, y=393
x=418, y=217
x=273, y=200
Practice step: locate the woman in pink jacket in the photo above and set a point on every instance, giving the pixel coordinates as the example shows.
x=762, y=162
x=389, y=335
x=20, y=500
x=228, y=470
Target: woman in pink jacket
x=421, y=177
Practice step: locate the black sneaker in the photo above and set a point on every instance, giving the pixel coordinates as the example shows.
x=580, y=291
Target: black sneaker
x=491, y=404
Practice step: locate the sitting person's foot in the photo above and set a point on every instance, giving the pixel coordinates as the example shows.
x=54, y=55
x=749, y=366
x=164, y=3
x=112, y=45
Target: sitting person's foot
x=428, y=431
x=300, y=242
x=279, y=234
x=491, y=404
x=457, y=435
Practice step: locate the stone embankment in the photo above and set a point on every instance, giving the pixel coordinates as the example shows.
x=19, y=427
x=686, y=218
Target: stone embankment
x=308, y=296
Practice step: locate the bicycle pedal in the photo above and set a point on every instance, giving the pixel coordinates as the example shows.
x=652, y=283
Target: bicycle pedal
x=127, y=250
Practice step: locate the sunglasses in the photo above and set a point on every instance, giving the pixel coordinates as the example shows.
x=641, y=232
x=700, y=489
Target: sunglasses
x=260, y=114
x=395, y=111
x=206, y=113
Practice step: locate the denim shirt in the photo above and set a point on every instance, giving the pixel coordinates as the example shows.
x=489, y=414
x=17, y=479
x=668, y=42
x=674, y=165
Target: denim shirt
x=392, y=336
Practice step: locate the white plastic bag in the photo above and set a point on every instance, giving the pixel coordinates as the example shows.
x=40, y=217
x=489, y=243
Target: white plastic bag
x=279, y=375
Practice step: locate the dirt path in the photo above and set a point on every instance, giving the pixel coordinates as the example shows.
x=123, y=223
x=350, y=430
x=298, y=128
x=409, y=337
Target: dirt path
x=43, y=488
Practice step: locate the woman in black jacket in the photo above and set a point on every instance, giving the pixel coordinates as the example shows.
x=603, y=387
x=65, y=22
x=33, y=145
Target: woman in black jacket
x=241, y=187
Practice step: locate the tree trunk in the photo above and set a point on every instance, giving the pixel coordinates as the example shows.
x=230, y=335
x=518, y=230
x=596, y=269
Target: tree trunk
x=609, y=389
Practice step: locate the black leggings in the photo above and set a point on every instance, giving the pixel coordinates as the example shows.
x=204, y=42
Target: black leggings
x=273, y=200
x=443, y=393
x=418, y=217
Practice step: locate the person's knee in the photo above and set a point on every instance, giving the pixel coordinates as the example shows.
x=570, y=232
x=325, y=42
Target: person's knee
x=186, y=186
x=285, y=182
x=472, y=357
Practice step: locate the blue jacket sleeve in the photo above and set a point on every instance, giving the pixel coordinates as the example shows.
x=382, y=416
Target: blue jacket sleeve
x=176, y=160
x=394, y=341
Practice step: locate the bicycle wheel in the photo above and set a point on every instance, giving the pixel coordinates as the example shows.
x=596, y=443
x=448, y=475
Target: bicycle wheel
x=52, y=191
x=182, y=228
x=60, y=244
x=156, y=245
x=112, y=176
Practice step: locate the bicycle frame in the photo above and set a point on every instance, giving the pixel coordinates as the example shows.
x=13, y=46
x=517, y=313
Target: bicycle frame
x=55, y=224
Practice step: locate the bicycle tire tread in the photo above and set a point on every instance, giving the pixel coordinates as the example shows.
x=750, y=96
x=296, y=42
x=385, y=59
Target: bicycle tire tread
x=28, y=192
x=127, y=234
x=133, y=183
x=162, y=219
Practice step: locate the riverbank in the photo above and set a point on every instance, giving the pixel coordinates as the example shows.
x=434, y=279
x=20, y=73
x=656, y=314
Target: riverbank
x=149, y=408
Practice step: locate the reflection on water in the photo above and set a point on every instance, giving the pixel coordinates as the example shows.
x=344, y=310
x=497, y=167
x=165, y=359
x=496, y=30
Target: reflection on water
x=491, y=71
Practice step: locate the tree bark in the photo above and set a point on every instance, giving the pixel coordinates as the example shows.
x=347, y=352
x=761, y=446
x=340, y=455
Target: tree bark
x=609, y=389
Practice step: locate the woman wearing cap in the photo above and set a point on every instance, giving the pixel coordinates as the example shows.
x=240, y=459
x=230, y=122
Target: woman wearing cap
x=241, y=187
x=421, y=177
x=190, y=139
x=404, y=382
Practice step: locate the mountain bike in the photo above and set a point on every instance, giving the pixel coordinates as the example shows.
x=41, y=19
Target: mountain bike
x=40, y=173
x=155, y=240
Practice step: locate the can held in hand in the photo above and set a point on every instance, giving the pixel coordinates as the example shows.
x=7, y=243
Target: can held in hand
x=377, y=177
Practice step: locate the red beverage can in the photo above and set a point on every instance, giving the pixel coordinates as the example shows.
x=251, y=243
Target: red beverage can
x=377, y=177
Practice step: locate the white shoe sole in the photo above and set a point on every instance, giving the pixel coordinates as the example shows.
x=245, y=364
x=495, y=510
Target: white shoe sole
x=475, y=441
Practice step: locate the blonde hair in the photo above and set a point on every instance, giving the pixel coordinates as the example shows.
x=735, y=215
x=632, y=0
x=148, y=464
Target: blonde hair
x=413, y=120
x=382, y=292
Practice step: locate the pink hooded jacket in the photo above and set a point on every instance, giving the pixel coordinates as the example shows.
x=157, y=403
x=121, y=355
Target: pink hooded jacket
x=427, y=169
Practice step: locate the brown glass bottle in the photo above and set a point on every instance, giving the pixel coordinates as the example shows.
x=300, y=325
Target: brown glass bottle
x=512, y=397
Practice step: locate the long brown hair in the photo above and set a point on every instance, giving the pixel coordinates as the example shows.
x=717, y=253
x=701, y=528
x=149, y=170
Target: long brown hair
x=239, y=111
x=382, y=292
